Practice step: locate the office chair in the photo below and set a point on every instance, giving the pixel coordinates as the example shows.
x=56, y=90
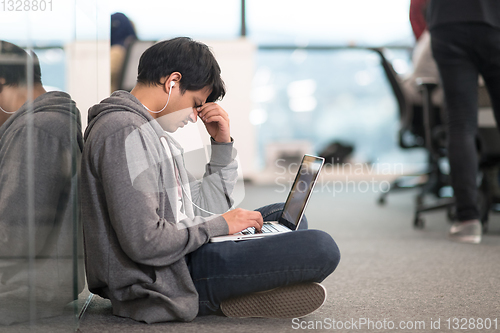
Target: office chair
x=128, y=74
x=411, y=133
x=435, y=143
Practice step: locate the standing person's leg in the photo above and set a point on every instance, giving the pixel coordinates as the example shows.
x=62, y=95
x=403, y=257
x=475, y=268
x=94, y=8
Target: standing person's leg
x=225, y=270
x=490, y=65
x=452, y=48
x=492, y=82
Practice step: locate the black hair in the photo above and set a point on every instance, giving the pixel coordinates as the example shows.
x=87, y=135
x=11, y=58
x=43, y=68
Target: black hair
x=192, y=59
x=14, y=65
x=122, y=30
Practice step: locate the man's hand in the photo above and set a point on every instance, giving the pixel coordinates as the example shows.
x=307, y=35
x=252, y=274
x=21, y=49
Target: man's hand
x=239, y=219
x=216, y=121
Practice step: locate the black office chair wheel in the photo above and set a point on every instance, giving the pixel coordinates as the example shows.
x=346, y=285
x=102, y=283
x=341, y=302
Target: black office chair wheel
x=381, y=201
x=485, y=225
x=418, y=222
x=485, y=204
x=451, y=213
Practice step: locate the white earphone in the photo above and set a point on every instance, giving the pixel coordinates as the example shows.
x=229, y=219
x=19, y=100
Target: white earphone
x=165, y=145
x=8, y=112
x=189, y=198
x=172, y=84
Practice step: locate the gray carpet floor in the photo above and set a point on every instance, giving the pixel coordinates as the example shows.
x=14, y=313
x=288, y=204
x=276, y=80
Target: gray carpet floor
x=389, y=272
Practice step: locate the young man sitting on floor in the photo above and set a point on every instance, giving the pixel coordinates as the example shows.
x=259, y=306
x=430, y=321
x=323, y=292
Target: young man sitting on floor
x=147, y=221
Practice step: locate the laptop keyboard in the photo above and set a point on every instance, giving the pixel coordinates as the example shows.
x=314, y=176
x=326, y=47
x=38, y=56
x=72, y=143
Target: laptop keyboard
x=266, y=228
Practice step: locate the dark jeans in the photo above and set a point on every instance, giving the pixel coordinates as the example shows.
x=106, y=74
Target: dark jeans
x=462, y=51
x=229, y=269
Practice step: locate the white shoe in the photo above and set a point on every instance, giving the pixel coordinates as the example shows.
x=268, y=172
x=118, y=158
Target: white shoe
x=466, y=231
x=285, y=302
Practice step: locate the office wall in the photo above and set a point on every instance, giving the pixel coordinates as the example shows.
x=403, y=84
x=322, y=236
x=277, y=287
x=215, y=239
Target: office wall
x=88, y=73
x=237, y=61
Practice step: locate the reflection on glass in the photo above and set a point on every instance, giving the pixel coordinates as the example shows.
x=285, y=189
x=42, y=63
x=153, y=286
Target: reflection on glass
x=40, y=148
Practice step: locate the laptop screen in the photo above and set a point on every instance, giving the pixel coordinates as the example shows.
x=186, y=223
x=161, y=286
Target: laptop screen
x=301, y=191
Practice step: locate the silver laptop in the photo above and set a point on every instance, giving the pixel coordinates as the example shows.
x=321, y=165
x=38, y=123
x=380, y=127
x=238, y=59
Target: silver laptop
x=295, y=204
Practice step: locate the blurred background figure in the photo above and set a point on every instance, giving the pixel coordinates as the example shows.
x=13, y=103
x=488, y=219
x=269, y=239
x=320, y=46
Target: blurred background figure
x=424, y=65
x=417, y=17
x=122, y=34
x=40, y=149
x=466, y=43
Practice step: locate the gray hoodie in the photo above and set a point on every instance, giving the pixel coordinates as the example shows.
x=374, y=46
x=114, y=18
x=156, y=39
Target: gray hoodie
x=134, y=241
x=40, y=150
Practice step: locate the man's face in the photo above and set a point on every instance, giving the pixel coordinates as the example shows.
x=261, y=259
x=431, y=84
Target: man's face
x=181, y=108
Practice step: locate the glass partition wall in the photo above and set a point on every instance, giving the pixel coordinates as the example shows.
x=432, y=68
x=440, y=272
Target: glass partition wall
x=315, y=81
x=51, y=55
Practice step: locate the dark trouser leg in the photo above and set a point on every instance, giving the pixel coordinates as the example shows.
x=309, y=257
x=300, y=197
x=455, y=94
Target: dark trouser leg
x=451, y=47
x=229, y=269
x=490, y=65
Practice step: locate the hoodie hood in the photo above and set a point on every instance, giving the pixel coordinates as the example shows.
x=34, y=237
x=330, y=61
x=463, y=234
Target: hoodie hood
x=120, y=101
x=52, y=101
